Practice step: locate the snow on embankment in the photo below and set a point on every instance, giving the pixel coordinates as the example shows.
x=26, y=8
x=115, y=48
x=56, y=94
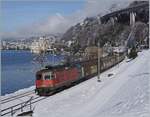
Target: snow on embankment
x=18, y=92
x=125, y=94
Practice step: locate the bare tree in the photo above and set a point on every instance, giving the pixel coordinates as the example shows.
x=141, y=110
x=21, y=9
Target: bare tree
x=40, y=59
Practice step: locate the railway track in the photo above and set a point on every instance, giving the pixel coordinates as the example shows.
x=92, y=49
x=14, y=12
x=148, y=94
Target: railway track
x=12, y=98
x=8, y=105
x=11, y=110
x=20, y=106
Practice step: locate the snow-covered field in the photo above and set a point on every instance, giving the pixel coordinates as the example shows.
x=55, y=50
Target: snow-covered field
x=124, y=94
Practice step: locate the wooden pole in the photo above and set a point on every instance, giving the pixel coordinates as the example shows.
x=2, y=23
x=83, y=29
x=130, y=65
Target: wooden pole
x=98, y=62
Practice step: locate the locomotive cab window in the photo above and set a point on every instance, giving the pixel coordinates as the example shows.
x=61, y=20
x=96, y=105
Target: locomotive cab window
x=52, y=76
x=47, y=77
x=39, y=77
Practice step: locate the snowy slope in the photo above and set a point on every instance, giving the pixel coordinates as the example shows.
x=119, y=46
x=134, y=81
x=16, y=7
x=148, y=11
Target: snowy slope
x=125, y=94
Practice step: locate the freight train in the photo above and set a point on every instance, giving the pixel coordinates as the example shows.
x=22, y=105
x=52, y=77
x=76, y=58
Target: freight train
x=52, y=78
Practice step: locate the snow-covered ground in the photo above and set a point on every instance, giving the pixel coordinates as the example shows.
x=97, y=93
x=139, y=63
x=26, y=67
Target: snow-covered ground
x=124, y=94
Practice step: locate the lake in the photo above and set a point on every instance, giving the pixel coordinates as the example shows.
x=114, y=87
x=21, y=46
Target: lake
x=18, y=69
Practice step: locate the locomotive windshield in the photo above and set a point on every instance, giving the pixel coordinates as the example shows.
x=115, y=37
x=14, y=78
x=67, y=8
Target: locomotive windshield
x=39, y=77
x=48, y=76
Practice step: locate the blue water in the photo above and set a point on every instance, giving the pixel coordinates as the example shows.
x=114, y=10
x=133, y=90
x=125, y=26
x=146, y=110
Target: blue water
x=18, y=69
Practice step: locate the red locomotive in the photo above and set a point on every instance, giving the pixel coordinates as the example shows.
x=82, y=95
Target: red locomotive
x=53, y=78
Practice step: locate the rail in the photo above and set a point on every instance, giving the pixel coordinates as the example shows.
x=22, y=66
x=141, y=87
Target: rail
x=12, y=98
x=12, y=109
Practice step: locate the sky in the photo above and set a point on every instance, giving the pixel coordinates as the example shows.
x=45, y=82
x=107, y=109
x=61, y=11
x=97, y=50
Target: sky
x=16, y=14
x=25, y=18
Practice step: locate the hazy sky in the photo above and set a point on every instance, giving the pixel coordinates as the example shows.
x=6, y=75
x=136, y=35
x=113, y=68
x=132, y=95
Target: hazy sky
x=35, y=17
x=17, y=14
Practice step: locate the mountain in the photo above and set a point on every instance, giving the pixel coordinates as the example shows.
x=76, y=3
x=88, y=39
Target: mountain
x=88, y=32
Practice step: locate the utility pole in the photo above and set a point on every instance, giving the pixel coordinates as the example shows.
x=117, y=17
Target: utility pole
x=98, y=78
x=53, y=58
x=98, y=54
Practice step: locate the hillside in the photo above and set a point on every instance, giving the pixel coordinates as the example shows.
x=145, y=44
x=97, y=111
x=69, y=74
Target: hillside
x=88, y=32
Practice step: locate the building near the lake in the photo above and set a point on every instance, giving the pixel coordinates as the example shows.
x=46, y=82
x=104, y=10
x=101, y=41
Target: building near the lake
x=40, y=45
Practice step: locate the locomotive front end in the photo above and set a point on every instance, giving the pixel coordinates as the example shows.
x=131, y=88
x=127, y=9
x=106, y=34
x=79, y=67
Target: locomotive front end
x=44, y=82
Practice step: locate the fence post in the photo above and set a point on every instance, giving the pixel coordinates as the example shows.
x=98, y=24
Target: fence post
x=11, y=111
x=21, y=108
x=30, y=106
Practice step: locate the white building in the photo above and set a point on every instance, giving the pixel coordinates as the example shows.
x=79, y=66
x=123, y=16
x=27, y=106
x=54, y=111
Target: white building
x=40, y=45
